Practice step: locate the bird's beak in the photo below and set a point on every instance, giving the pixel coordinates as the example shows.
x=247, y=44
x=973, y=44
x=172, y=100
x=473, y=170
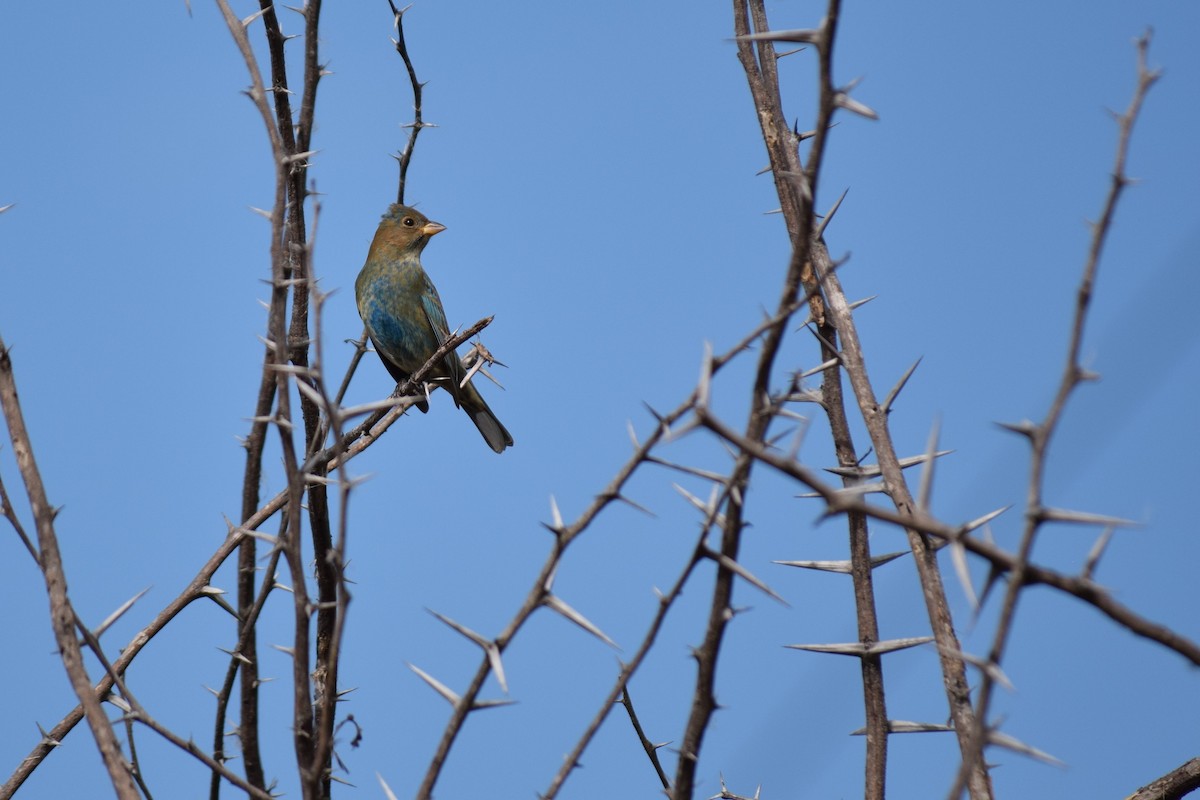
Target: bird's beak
x=432, y=228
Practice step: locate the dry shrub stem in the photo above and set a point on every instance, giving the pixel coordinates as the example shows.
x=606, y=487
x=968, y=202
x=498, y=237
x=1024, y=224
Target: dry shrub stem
x=62, y=617
x=1040, y=435
x=418, y=123
x=796, y=187
x=329, y=458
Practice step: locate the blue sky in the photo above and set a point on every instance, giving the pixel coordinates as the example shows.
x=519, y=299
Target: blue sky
x=595, y=169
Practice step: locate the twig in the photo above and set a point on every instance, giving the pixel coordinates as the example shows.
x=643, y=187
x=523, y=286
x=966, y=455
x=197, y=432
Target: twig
x=1177, y=783
x=838, y=502
x=405, y=158
x=62, y=616
x=348, y=446
x=650, y=747
x=1073, y=374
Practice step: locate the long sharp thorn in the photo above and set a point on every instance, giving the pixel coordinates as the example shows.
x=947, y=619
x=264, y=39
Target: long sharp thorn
x=1016, y=745
x=895, y=392
x=633, y=435
x=116, y=615
x=701, y=473
x=983, y=664
x=736, y=568
x=802, y=36
x=636, y=505
x=829, y=217
x=246, y=22
x=493, y=654
x=842, y=566
x=1093, y=556
x=463, y=629
x=862, y=649
x=480, y=704
x=387, y=790
x=984, y=520
x=705, y=384
x=904, y=726
x=833, y=362
x=558, y=604
x=925, y=489
x=958, y=556
x=1084, y=518
x=847, y=102
x=439, y=687
x=1023, y=428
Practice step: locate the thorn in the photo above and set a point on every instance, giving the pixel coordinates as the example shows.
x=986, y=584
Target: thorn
x=983, y=664
x=119, y=702
x=555, y=603
x=801, y=36
x=706, y=369
x=437, y=685
x=636, y=505
x=47, y=738
x=1093, y=556
x=847, y=102
x=1082, y=518
x=711, y=515
x=833, y=362
x=925, y=489
x=556, y=517
x=489, y=647
x=895, y=392
x=842, y=566
x=861, y=649
x=829, y=217
x=904, y=726
x=984, y=520
x=236, y=656
x=958, y=556
x=1017, y=746
x=387, y=790
x=246, y=22
x=874, y=470
x=116, y=615
x=736, y=568
x=480, y=704
x=1024, y=428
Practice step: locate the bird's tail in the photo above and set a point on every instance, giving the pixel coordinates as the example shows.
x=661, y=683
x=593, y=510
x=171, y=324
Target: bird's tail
x=477, y=409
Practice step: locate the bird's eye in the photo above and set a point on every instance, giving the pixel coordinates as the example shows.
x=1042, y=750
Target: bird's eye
x=409, y=222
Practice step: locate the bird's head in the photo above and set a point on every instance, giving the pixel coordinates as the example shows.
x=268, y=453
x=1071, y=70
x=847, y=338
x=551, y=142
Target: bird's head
x=405, y=228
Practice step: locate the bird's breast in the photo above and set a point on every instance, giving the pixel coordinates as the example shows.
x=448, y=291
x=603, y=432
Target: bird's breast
x=389, y=303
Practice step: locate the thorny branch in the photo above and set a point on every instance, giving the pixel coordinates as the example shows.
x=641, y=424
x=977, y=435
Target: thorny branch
x=381, y=416
x=418, y=123
x=1040, y=435
x=62, y=616
x=796, y=187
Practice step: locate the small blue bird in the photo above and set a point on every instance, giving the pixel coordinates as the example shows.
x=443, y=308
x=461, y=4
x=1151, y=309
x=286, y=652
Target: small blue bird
x=405, y=319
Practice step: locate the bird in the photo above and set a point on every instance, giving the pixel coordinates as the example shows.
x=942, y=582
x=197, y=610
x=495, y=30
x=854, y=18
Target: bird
x=405, y=319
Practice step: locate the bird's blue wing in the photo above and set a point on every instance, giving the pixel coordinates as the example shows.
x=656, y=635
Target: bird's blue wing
x=437, y=323
x=434, y=312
